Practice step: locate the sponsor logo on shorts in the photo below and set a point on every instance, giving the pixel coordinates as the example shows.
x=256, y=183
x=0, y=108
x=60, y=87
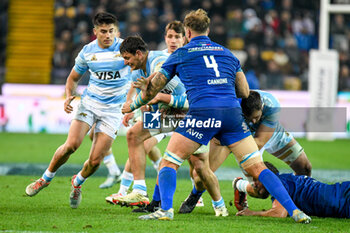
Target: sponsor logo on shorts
x=83, y=114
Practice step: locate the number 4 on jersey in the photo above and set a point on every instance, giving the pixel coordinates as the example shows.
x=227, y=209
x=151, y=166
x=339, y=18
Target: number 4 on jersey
x=212, y=65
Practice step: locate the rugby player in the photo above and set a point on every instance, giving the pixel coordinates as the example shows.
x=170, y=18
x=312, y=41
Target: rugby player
x=210, y=74
x=313, y=197
x=261, y=111
x=101, y=104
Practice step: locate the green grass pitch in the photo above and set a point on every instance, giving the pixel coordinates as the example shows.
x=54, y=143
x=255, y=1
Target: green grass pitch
x=49, y=211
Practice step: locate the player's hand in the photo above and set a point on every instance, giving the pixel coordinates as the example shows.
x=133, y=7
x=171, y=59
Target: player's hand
x=127, y=118
x=126, y=107
x=67, y=107
x=142, y=84
x=155, y=100
x=245, y=212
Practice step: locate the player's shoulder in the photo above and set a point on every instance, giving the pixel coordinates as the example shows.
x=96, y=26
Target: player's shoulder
x=268, y=99
x=157, y=53
x=90, y=47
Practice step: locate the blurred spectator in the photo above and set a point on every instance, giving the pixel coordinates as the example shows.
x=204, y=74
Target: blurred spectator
x=339, y=33
x=61, y=62
x=254, y=61
x=273, y=79
x=218, y=33
x=234, y=23
x=152, y=34
x=344, y=78
x=252, y=80
x=293, y=53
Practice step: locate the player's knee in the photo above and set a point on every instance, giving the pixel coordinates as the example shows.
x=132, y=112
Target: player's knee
x=95, y=162
x=304, y=169
x=71, y=147
x=132, y=136
x=172, y=160
x=308, y=168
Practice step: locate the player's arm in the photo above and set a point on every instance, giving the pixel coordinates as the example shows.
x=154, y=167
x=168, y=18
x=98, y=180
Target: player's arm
x=154, y=85
x=263, y=135
x=71, y=86
x=175, y=101
x=277, y=211
x=242, y=87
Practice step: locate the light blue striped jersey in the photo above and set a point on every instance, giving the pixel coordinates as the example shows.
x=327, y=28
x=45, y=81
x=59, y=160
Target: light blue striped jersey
x=155, y=61
x=109, y=76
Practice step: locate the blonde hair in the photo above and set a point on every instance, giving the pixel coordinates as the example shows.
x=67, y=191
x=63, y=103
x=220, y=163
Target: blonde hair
x=197, y=20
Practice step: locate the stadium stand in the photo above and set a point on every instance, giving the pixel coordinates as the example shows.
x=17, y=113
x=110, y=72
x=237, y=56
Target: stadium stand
x=271, y=38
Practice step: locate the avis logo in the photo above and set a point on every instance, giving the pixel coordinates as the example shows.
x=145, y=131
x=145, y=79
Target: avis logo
x=151, y=120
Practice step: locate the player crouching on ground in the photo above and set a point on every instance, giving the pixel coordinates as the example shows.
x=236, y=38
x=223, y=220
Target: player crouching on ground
x=311, y=196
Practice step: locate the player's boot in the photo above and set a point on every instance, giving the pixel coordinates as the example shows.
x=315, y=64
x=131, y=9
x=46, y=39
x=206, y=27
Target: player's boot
x=300, y=217
x=200, y=202
x=110, y=181
x=152, y=207
x=189, y=204
x=75, y=195
x=221, y=211
x=132, y=199
x=240, y=198
x=36, y=186
x=159, y=215
x=112, y=198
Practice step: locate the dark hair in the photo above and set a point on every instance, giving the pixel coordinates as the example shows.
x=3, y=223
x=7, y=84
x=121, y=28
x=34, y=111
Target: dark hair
x=105, y=18
x=197, y=20
x=271, y=167
x=133, y=43
x=252, y=103
x=175, y=25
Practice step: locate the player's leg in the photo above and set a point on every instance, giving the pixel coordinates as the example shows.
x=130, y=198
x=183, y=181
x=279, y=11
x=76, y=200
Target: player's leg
x=217, y=155
x=76, y=134
x=178, y=149
x=153, y=151
x=114, y=173
x=248, y=156
x=100, y=146
x=294, y=155
x=126, y=180
x=137, y=159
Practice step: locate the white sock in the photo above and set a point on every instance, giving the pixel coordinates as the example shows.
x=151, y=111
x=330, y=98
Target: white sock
x=125, y=183
x=140, y=187
x=79, y=180
x=111, y=165
x=241, y=185
x=123, y=190
x=48, y=176
x=156, y=164
x=159, y=137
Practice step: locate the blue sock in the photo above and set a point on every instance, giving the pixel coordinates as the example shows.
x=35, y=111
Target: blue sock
x=196, y=192
x=156, y=193
x=167, y=186
x=275, y=187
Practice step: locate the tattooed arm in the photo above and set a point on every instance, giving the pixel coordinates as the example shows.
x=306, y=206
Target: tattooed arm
x=150, y=87
x=156, y=84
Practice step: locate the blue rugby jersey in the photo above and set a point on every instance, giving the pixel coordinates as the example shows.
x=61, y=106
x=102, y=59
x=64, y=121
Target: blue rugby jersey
x=109, y=76
x=317, y=198
x=208, y=71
